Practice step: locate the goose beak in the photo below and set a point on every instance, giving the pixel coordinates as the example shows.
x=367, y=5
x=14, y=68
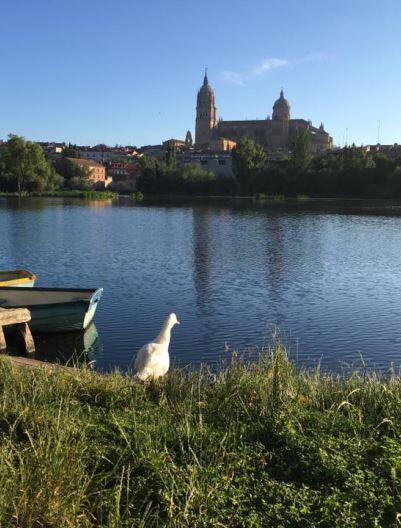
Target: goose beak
x=178, y=322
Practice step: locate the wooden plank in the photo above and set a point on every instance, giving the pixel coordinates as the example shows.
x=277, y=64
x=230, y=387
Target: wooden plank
x=3, y=344
x=27, y=338
x=14, y=316
x=34, y=363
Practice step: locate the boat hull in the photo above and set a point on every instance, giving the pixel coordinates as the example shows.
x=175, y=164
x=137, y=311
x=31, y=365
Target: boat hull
x=64, y=315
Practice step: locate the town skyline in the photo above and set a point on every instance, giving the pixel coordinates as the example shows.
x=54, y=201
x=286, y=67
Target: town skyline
x=92, y=89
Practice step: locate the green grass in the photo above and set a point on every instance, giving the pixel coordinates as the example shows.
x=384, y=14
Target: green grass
x=258, y=445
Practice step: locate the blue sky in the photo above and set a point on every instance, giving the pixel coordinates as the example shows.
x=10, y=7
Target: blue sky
x=127, y=72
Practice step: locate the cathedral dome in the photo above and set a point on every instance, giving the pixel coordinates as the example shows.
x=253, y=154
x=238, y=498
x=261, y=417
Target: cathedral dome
x=281, y=108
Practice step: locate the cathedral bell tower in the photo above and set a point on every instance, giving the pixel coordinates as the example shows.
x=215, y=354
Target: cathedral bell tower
x=205, y=114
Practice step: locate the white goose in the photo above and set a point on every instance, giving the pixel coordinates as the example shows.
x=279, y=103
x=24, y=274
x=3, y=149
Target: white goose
x=153, y=360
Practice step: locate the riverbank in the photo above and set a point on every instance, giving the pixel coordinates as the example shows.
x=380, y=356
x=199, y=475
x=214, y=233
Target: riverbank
x=258, y=445
x=87, y=195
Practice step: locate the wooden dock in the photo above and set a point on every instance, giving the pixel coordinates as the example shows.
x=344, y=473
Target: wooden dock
x=19, y=317
x=30, y=363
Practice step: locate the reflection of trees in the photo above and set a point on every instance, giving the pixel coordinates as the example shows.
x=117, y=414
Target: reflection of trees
x=26, y=203
x=202, y=253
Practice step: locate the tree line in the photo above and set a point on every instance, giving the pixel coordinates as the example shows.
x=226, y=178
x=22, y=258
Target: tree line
x=351, y=171
x=164, y=177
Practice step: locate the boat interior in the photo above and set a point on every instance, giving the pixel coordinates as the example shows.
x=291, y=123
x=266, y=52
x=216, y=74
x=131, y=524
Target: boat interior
x=15, y=274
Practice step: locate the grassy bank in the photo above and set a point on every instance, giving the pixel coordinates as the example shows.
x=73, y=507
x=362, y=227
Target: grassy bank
x=258, y=445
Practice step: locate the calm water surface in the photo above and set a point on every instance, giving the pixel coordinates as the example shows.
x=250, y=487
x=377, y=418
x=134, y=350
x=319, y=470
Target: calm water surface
x=327, y=275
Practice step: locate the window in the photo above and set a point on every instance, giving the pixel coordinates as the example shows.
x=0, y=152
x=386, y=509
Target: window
x=222, y=162
x=203, y=162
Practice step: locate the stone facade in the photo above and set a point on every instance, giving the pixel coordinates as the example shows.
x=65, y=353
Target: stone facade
x=277, y=134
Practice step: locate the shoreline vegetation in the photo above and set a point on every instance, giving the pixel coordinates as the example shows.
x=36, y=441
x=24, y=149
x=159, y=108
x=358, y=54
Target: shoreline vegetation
x=257, y=444
x=86, y=195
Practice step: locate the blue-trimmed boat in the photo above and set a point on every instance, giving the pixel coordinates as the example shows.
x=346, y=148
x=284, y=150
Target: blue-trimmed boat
x=53, y=309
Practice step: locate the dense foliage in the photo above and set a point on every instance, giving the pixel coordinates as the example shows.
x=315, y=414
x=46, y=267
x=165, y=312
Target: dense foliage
x=161, y=178
x=74, y=176
x=24, y=167
x=349, y=172
x=248, y=159
x=71, y=151
x=256, y=445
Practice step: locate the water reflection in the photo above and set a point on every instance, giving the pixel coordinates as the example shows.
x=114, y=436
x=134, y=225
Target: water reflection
x=68, y=348
x=202, y=254
x=26, y=203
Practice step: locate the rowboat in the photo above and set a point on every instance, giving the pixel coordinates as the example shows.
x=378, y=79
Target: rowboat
x=19, y=278
x=53, y=309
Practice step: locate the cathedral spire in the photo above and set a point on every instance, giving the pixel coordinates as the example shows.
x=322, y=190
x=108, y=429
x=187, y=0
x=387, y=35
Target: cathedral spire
x=205, y=113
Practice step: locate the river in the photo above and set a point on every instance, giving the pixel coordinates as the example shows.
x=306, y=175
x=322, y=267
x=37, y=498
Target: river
x=322, y=276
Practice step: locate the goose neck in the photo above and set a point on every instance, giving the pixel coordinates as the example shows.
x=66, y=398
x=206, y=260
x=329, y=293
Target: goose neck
x=164, y=337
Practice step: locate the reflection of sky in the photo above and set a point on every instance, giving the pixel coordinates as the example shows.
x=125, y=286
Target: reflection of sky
x=329, y=281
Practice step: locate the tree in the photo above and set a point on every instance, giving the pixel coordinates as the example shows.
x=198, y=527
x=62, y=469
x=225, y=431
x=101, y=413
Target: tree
x=71, y=151
x=24, y=167
x=148, y=162
x=394, y=182
x=248, y=158
x=301, y=157
x=171, y=155
x=193, y=179
x=69, y=170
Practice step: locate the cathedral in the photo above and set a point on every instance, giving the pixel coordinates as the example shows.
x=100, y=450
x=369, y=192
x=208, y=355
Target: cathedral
x=276, y=134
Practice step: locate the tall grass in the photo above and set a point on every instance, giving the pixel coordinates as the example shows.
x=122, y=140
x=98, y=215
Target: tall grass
x=255, y=445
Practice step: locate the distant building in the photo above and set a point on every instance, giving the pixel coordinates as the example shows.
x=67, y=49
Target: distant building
x=121, y=171
x=188, y=139
x=221, y=145
x=178, y=143
x=104, y=153
x=154, y=151
x=391, y=151
x=52, y=150
x=101, y=156
x=96, y=172
x=220, y=163
x=124, y=175
x=277, y=134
